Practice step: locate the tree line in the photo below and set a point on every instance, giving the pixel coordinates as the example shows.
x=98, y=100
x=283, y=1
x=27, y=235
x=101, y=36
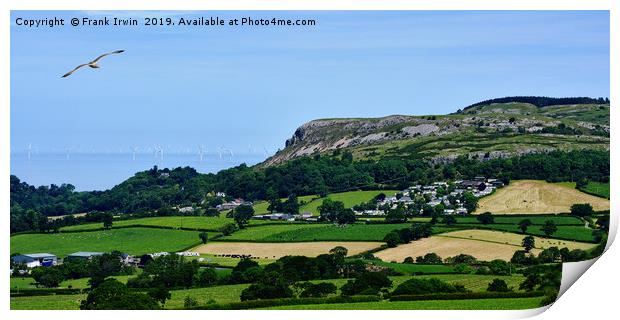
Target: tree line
x=542, y=101
x=154, y=189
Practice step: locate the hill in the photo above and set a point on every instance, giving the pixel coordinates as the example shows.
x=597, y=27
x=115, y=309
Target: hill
x=494, y=128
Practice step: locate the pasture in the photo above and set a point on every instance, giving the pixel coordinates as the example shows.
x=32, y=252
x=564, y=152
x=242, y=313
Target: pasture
x=211, y=259
x=260, y=207
x=598, y=188
x=314, y=232
x=231, y=293
x=415, y=269
x=192, y=222
x=82, y=283
x=473, y=304
x=349, y=199
x=135, y=241
x=278, y=250
x=535, y=197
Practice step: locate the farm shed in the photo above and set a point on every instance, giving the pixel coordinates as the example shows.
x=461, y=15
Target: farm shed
x=32, y=260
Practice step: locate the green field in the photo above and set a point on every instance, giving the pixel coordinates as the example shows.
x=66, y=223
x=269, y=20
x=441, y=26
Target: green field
x=28, y=283
x=413, y=269
x=225, y=261
x=135, y=241
x=231, y=293
x=597, y=188
x=315, y=232
x=349, y=199
x=51, y=302
x=206, y=223
x=475, y=304
x=260, y=207
x=312, y=202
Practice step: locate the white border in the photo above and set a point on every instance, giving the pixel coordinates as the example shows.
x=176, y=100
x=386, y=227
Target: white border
x=580, y=301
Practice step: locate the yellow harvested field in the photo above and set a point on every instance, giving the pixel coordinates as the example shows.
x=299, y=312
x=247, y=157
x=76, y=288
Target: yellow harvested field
x=278, y=250
x=537, y=196
x=514, y=239
x=483, y=244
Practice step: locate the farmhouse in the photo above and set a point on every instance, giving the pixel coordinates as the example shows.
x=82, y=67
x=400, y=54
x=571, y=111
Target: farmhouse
x=232, y=204
x=32, y=260
x=473, y=184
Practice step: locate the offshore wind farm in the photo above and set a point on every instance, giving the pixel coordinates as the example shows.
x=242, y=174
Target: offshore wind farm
x=101, y=170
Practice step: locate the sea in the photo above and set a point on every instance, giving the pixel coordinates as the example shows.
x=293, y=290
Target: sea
x=102, y=171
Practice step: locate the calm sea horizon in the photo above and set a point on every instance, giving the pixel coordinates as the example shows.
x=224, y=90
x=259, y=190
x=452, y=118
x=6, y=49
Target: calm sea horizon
x=102, y=171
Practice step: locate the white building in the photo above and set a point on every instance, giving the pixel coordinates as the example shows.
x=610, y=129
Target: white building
x=32, y=260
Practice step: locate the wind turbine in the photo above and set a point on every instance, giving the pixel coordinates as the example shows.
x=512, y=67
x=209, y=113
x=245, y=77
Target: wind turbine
x=201, y=151
x=229, y=151
x=68, y=152
x=29, y=150
x=159, y=150
x=134, y=150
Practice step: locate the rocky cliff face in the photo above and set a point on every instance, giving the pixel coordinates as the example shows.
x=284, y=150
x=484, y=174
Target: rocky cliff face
x=485, y=131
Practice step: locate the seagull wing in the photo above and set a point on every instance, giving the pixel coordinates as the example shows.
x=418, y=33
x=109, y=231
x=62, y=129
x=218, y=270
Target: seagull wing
x=72, y=71
x=106, y=54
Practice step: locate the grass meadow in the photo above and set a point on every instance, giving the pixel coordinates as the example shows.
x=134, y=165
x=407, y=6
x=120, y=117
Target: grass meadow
x=134, y=241
x=231, y=293
x=194, y=222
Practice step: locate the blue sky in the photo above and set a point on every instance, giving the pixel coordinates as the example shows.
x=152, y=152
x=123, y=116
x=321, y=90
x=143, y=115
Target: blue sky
x=237, y=86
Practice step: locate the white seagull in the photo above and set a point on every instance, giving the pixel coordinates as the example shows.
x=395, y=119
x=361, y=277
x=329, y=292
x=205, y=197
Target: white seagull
x=92, y=64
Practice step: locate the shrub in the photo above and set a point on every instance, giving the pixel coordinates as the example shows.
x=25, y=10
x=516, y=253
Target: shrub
x=270, y=286
x=581, y=209
x=228, y=229
x=367, y=283
x=499, y=267
x=467, y=295
x=523, y=258
x=429, y=258
x=426, y=286
x=252, y=304
x=113, y=295
x=392, y=239
x=485, y=218
x=189, y=302
x=498, y=285
x=461, y=258
x=49, y=277
x=318, y=290
x=206, y=277
x=463, y=268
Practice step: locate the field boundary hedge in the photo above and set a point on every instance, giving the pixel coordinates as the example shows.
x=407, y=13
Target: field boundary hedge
x=252, y=304
x=44, y=291
x=592, y=193
x=140, y=226
x=293, y=241
x=467, y=295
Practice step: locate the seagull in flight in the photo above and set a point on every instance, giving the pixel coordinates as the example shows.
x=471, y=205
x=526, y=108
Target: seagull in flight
x=92, y=64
